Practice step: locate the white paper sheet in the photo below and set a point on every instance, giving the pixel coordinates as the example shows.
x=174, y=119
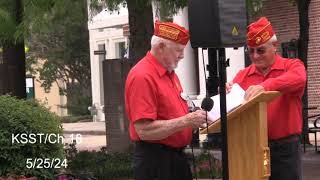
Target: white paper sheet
x=234, y=99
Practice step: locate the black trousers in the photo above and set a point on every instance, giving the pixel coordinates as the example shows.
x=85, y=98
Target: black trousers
x=286, y=160
x=155, y=161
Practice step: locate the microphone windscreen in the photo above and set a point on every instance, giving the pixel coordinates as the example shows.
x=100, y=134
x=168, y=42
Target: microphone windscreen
x=207, y=104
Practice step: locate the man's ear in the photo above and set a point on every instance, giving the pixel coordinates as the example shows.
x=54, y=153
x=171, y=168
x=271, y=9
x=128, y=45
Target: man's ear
x=275, y=45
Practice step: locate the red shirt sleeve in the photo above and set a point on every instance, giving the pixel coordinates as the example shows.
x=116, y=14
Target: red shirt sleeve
x=292, y=81
x=142, y=101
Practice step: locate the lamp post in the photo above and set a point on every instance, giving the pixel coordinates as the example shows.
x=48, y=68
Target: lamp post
x=292, y=49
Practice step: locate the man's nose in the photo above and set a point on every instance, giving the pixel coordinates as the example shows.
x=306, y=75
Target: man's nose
x=255, y=54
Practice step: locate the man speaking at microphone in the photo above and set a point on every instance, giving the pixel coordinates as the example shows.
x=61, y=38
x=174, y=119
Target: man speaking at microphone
x=160, y=124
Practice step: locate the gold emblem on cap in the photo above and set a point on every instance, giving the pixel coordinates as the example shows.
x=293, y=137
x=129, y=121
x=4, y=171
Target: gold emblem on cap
x=169, y=32
x=252, y=35
x=265, y=35
x=258, y=40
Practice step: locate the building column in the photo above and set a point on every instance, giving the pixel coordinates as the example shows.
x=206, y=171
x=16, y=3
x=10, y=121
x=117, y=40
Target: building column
x=96, y=80
x=187, y=67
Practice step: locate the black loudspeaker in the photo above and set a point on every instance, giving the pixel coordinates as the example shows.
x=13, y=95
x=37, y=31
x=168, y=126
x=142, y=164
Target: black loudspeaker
x=217, y=23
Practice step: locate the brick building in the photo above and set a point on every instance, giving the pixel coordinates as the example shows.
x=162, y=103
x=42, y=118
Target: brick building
x=285, y=21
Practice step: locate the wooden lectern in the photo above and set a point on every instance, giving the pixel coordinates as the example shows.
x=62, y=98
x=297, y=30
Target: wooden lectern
x=248, y=151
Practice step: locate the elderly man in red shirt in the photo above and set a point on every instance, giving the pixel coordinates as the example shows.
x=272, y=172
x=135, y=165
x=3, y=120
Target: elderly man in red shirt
x=160, y=124
x=271, y=72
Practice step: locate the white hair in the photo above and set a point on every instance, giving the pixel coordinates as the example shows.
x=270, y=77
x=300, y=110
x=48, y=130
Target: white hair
x=155, y=40
x=273, y=39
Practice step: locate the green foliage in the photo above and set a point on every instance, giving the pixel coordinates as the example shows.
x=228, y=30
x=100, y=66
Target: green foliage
x=167, y=7
x=65, y=50
x=34, y=17
x=79, y=99
x=79, y=105
x=254, y=7
x=55, y=30
x=7, y=26
x=101, y=165
x=20, y=116
x=30, y=63
x=64, y=46
x=114, y=4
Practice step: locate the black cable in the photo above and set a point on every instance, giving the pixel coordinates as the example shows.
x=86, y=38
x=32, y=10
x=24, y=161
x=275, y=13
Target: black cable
x=209, y=155
x=193, y=108
x=207, y=124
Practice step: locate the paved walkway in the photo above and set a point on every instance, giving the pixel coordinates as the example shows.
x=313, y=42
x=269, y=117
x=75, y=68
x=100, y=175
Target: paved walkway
x=311, y=165
x=91, y=136
x=88, y=135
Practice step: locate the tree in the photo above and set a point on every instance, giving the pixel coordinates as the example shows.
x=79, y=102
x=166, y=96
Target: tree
x=64, y=48
x=17, y=18
x=140, y=21
x=55, y=30
x=13, y=64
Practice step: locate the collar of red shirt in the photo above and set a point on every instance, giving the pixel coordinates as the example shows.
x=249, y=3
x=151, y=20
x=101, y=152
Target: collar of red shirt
x=277, y=65
x=155, y=63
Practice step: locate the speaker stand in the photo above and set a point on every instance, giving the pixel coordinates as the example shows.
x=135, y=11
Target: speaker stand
x=222, y=64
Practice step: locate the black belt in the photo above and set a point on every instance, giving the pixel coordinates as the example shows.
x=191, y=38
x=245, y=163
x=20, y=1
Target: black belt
x=288, y=139
x=144, y=144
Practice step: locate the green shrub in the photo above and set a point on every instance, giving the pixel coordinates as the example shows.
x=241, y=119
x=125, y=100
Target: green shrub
x=101, y=165
x=18, y=117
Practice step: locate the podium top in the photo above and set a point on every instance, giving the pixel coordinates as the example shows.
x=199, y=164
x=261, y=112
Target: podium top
x=262, y=97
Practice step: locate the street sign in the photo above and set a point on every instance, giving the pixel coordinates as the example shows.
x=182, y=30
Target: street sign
x=99, y=52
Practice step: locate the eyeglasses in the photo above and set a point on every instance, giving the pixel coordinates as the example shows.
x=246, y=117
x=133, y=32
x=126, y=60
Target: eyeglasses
x=259, y=51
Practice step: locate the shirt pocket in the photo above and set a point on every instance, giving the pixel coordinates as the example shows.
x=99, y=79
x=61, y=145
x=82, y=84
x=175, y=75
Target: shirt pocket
x=168, y=106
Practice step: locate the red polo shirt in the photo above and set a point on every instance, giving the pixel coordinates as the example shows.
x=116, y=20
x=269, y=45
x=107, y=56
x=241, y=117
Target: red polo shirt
x=285, y=112
x=151, y=92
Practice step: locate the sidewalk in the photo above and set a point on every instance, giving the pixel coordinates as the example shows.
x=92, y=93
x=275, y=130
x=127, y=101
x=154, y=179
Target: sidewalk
x=311, y=165
x=91, y=136
x=88, y=135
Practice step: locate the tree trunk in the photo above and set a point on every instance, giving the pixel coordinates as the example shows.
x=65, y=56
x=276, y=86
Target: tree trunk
x=14, y=79
x=303, y=8
x=13, y=70
x=141, y=29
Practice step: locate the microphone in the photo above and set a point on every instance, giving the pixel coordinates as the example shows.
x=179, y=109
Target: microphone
x=207, y=104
